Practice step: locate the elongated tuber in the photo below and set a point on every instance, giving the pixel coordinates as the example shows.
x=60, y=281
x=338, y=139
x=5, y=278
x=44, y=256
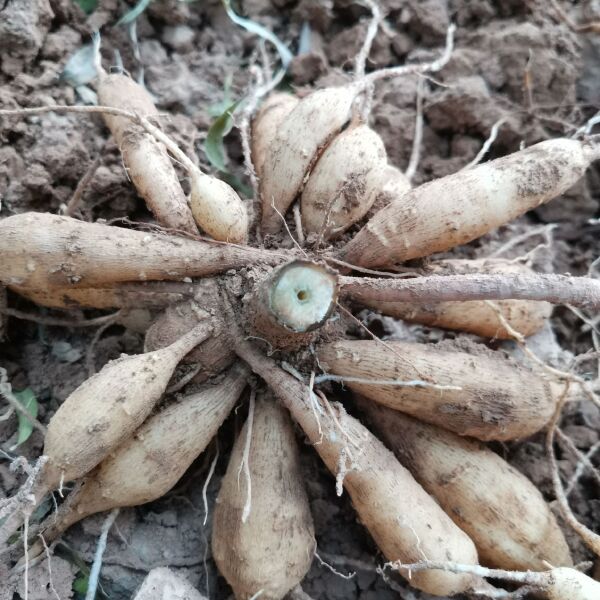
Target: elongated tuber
x=41, y=250
x=102, y=413
x=501, y=510
x=405, y=522
x=149, y=464
x=483, y=396
x=463, y=206
x=146, y=159
x=115, y=296
x=302, y=134
x=106, y=408
x=344, y=183
x=265, y=125
x=263, y=536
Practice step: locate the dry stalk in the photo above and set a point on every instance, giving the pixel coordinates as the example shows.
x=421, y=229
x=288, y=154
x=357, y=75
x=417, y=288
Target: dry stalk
x=97, y=564
x=583, y=460
x=211, y=472
x=430, y=67
x=592, y=27
x=22, y=503
x=557, y=289
x=333, y=569
x=75, y=199
x=49, y=559
x=415, y=154
x=298, y=224
x=544, y=230
x=362, y=106
x=487, y=144
x=581, y=465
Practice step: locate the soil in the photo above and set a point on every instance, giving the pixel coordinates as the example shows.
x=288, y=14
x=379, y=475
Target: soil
x=513, y=60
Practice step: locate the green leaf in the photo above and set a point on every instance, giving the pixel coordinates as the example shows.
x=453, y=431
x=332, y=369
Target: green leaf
x=213, y=145
x=256, y=28
x=237, y=184
x=80, y=585
x=88, y=6
x=218, y=108
x=27, y=400
x=134, y=13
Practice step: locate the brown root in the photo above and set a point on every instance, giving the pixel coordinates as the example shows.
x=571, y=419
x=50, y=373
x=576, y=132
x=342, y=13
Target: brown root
x=475, y=316
x=558, y=289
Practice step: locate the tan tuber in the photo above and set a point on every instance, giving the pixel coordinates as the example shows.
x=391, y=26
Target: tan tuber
x=501, y=510
x=148, y=464
x=483, y=396
x=463, y=206
x=263, y=536
x=405, y=522
x=41, y=250
x=301, y=135
x=146, y=160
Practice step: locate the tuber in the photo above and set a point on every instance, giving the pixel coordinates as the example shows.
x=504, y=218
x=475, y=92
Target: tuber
x=40, y=250
x=266, y=123
x=145, y=158
x=302, y=134
x=263, y=537
x=501, y=510
x=148, y=464
x=463, y=206
x=344, y=182
x=483, y=396
x=405, y=522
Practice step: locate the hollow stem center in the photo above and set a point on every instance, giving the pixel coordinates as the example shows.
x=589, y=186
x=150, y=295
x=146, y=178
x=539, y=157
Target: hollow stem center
x=302, y=295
